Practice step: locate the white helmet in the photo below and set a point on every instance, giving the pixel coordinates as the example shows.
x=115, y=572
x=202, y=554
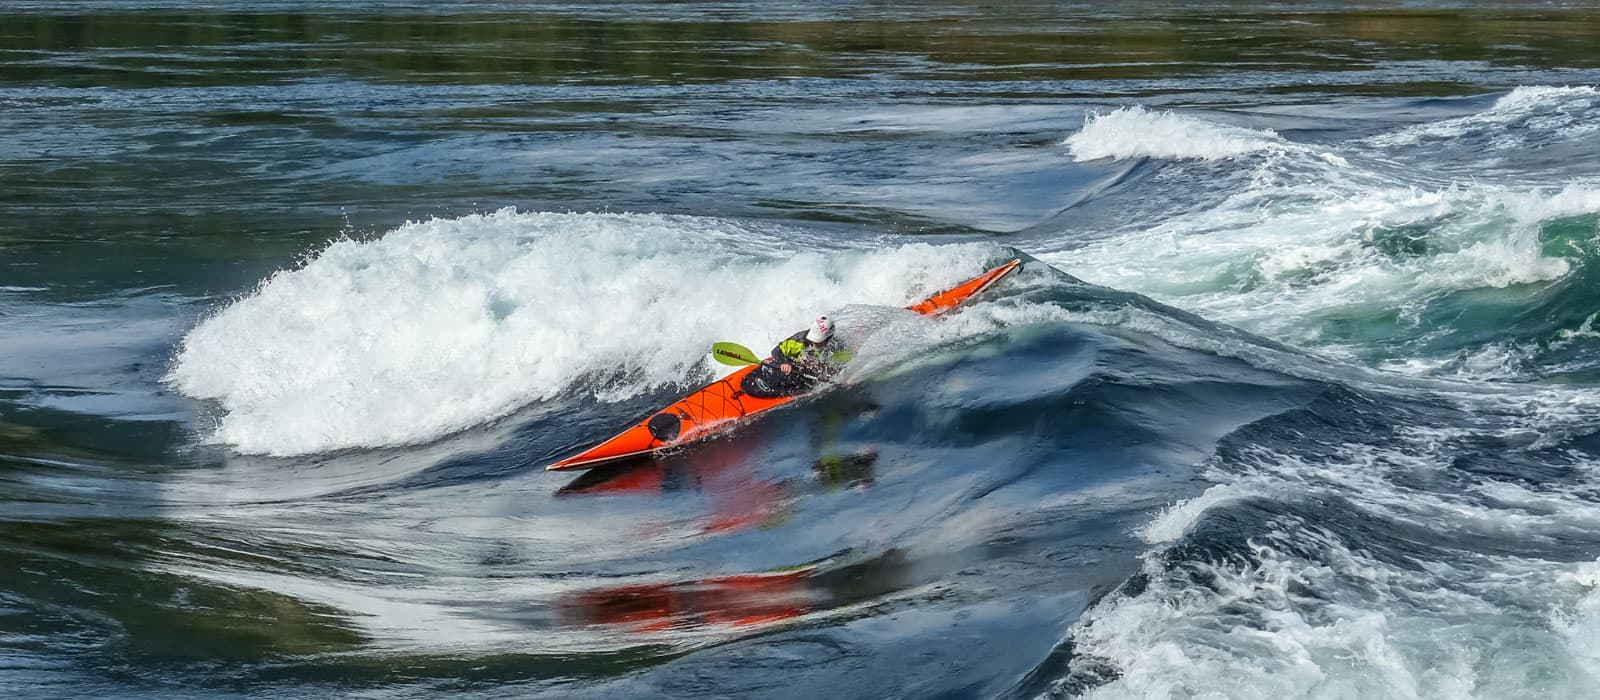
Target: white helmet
x=821, y=330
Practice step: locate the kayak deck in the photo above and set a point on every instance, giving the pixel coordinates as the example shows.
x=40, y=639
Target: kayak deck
x=693, y=416
x=719, y=404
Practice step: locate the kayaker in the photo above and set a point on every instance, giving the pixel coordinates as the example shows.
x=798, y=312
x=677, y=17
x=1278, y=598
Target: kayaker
x=798, y=362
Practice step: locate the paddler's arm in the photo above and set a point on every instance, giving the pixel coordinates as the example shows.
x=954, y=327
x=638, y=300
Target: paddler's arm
x=788, y=352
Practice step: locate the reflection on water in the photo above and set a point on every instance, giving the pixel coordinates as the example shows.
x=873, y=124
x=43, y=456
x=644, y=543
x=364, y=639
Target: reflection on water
x=661, y=44
x=742, y=601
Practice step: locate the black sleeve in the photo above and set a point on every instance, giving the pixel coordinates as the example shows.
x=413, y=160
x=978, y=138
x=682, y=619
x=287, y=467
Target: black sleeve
x=777, y=353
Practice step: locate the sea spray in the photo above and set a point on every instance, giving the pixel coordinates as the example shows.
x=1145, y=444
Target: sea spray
x=444, y=324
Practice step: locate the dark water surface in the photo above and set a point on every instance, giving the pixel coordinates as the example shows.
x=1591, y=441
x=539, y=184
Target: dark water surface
x=1295, y=395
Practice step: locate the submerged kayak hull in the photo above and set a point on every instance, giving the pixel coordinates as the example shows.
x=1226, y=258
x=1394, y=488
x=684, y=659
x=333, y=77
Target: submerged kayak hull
x=720, y=404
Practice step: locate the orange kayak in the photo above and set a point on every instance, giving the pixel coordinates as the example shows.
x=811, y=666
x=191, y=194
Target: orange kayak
x=720, y=404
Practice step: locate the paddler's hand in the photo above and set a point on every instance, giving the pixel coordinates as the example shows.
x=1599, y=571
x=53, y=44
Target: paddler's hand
x=786, y=367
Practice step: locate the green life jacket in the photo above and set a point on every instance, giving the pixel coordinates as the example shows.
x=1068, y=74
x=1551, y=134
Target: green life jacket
x=798, y=351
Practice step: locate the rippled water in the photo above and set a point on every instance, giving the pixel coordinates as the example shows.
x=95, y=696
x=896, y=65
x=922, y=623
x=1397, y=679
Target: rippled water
x=1294, y=396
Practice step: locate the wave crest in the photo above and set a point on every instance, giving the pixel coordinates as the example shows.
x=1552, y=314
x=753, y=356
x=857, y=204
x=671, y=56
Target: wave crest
x=445, y=324
x=1134, y=132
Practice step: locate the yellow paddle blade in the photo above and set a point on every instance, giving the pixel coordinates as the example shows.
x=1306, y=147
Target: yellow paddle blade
x=734, y=354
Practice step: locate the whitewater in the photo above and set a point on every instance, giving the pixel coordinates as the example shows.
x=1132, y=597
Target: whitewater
x=439, y=326
x=370, y=347
x=1294, y=396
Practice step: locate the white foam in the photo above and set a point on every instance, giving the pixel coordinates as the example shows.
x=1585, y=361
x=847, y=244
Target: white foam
x=1560, y=110
x=1265, y=630
x=1281, y=261
x=444, y=324
x=1175, y=520
x=1530, y=208
x=1524, y=96
x=1310, y=245
x=1345, y=623
x=1579, y=623
x=1500, y=360
x=1134, y=132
